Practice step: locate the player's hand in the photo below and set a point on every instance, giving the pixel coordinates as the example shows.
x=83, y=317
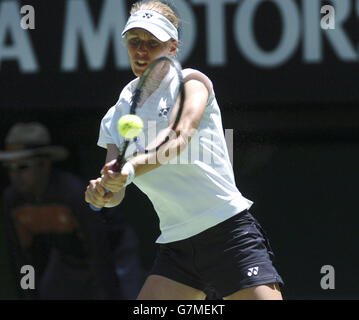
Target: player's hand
x=96, y=195
x=111, y=180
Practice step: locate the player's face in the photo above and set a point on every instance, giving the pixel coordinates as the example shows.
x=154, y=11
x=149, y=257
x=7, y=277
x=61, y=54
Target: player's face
x=143, y=48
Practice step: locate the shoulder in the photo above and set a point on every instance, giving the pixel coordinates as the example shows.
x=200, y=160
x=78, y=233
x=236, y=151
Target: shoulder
x=107, y=120
x=193, y=74
x=128, y=90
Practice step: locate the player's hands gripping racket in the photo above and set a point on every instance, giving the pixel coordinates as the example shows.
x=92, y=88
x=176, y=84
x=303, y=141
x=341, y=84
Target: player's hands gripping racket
x=159, y=70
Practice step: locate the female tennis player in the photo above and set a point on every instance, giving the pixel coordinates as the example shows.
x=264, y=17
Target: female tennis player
x=208, y=237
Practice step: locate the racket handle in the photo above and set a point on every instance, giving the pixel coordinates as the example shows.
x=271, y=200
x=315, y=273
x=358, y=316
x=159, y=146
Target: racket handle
x=94, y=208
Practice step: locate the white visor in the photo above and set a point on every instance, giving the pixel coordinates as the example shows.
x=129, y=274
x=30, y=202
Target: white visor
x=154, y=23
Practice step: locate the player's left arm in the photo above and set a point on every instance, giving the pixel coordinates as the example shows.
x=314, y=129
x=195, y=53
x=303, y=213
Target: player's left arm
x=197, y=90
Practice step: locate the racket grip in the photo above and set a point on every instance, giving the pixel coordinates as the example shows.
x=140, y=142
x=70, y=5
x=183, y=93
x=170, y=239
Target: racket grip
x=94, y=208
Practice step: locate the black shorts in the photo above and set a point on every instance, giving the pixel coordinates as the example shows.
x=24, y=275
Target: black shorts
x=228, y=257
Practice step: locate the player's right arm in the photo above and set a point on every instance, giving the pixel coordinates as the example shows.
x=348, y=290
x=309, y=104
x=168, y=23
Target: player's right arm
x=95, y=192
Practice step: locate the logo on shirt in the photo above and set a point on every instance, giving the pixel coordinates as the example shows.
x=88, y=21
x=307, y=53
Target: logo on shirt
x=163, y=108
x=163, y=112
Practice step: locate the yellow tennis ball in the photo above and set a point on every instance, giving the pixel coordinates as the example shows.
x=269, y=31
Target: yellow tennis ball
x=130, y=126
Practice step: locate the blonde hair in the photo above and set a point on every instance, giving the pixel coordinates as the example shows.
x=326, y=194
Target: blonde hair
x=159, y=7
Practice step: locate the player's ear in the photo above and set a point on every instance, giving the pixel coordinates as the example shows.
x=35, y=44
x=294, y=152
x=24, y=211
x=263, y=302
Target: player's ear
x=173, y=47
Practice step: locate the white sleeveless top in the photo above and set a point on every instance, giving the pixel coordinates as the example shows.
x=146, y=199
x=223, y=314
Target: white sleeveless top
x=195, y=190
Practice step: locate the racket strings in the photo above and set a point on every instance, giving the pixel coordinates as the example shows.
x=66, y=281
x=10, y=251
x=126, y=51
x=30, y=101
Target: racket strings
x=177, y=107
x=162, y=71
x=152, y=80
x=172, y=68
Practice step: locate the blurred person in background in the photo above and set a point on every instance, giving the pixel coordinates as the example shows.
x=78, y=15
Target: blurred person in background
x=74, y=253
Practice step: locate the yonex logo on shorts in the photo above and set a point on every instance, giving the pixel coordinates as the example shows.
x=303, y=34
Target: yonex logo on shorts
x=252, y=271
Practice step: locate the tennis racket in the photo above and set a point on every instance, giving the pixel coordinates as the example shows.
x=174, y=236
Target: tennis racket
x=162, y=70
